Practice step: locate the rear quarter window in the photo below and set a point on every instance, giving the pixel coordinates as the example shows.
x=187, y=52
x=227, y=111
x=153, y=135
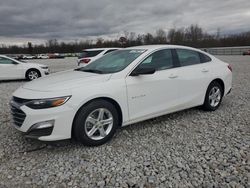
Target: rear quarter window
x=204, y=58
x=188, y=57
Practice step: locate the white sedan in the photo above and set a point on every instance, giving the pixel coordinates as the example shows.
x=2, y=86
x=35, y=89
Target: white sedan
x=12, y=69
x=121, y=88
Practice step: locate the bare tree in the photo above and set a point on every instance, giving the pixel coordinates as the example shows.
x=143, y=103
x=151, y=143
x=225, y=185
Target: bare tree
x=191, y=36
x=30, y=48
x=148, y=39
x=161, y=36
x=99, y=42
x=194, y=33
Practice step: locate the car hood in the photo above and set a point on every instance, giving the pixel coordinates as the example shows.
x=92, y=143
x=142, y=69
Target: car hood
x=66, y=80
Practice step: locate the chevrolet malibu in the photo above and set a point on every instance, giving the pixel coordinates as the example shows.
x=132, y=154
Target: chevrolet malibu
x=121, y=88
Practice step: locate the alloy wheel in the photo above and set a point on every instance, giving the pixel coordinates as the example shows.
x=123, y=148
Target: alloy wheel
x=99, y=124
x=33, y=75
x=214, y=96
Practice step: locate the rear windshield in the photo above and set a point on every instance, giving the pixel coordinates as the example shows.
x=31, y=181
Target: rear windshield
x=91, y=53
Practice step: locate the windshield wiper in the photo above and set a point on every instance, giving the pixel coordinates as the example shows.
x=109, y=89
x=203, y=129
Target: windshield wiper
x=90, y=70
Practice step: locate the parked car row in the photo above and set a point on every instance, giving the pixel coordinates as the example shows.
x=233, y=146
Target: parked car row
x=120, y=88
x=12, y=68
x=39, y=56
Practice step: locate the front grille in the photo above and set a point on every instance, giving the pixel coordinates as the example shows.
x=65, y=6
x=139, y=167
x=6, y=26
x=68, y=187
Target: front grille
x=18, y=116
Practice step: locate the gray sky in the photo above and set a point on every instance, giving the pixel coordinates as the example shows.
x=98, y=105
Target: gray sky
x=39, y=20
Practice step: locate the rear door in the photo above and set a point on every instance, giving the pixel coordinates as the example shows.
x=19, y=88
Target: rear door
x=194, y=76
x=10, y=69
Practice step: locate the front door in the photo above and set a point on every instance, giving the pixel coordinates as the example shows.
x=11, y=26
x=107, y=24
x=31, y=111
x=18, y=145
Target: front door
x=155, y=93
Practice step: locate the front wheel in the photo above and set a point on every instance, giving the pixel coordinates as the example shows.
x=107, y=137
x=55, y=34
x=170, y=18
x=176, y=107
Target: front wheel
x=95, y=123
x=32, y=74
x=213, y=97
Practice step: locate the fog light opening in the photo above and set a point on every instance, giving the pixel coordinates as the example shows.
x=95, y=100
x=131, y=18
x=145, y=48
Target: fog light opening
x=43, y=125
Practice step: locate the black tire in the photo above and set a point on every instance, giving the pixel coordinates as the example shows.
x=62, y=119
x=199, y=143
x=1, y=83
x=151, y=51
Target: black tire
x=207, y=102
x=79, y=124
x=30, y=71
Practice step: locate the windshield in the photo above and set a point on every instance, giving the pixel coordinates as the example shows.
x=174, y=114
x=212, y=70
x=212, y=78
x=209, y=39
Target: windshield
x=113, y=62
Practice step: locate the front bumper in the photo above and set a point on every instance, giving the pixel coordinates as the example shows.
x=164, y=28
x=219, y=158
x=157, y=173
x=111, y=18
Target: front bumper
x=37, y=133
x=45, y=72
x=61, y=116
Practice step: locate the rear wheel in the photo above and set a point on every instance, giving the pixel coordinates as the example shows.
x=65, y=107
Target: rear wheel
x=213, y=97
x=95, y=123
x=32, y=74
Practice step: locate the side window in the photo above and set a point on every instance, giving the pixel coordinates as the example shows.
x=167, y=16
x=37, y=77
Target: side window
x=110, y=51
x=188, y=57
x=5, y=61
x=159, y=60
x=204, y=58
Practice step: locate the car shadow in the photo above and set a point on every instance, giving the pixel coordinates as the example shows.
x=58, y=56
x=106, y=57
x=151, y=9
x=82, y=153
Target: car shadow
x=11, y=81
x=36, y=145
x=71, y=144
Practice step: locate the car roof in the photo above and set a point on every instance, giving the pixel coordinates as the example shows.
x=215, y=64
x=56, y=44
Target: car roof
x=93, y=49
x=4, y=56
x=154, y=47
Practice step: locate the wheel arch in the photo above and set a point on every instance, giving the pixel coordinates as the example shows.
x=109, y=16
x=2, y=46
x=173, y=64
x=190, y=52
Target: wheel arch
x=109, y=99
x=30, y=69
x=221, y=82
x=218, y=80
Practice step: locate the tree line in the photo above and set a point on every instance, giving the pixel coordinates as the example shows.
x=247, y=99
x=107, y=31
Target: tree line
x=193, y=36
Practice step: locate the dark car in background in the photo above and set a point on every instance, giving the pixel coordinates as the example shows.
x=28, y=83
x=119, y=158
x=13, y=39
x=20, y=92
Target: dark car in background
x=56, y=56
x=246, y=52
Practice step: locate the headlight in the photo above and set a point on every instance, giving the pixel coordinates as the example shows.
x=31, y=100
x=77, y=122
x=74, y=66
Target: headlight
x=44, y=67
x=47, y=103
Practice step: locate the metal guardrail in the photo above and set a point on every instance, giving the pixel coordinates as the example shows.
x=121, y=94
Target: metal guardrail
x=214, y=51
x=227, y=50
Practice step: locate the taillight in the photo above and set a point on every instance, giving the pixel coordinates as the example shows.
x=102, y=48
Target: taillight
x=85, y=61
x=230, y=68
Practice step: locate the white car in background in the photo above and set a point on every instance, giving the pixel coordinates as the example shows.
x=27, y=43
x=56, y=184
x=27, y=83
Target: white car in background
x=12, y=69
x=29, y=57
x=120, y=88
x=89, y=55
x=42, y=56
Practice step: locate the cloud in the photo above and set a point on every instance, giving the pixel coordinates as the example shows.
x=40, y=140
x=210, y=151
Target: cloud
x=77, y=19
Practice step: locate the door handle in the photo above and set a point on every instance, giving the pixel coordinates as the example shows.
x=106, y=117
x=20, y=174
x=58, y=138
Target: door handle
x=204, y=70
x=172, y=76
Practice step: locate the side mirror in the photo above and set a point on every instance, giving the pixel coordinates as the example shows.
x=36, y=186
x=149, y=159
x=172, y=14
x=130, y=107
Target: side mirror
x=142, y=70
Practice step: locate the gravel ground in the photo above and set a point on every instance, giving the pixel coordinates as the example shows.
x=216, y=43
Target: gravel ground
x=191, y=148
